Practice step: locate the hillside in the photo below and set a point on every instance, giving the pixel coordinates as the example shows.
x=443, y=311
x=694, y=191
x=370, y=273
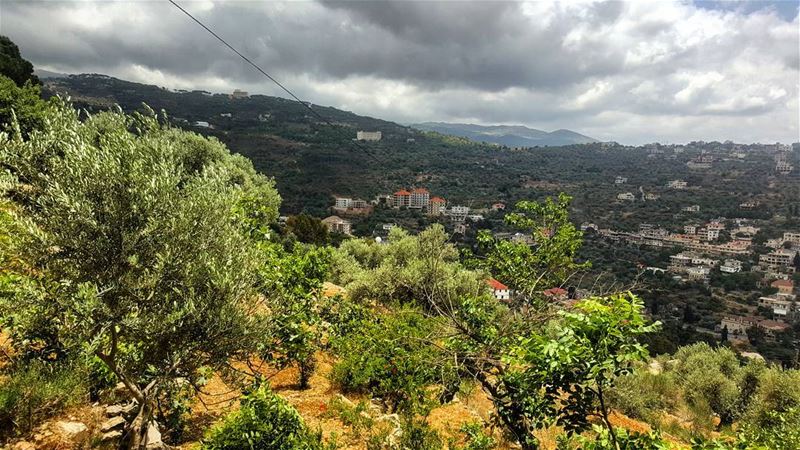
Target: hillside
x=312, y=161
x=507, y=135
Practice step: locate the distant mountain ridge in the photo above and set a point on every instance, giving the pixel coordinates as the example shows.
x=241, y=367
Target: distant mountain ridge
x=508, y=135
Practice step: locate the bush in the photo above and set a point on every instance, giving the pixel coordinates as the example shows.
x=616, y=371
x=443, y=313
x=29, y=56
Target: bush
x=265, y=422
x=644, y=395
x=391, y=357
x=476, y=437
x=38, y=391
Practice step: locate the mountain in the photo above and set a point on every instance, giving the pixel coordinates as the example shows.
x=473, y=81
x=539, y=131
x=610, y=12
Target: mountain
x=508, y=135
x=42, y=74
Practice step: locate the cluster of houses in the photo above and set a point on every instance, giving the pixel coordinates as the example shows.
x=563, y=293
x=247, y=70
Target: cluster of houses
x=701, y=239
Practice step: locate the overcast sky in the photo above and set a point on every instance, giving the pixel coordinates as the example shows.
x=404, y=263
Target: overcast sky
x=634, y=72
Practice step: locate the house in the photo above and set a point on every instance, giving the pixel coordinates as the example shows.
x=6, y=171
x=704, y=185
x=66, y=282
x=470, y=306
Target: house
x=737, y=326
x=336, y=224
x=586, y=226
x=342, y=202
x=783, y=286
x=712, y=234
x=698, y=273
x=556, y=293
x=237, y=94
x=778, y=259
x=620, y=180
x=499, y=290
x=793, y=238
x=458, y=213
x=677, y=184
x=437, y=206
x=781, y=306
x=401, y=198
x=693, y=208
x=690, y=229
x=202, y=124
x=228, y=115
x=499, y=206
x=419, y=198
x=368, y=135
x=651, y=196
x=731, y=266
x=627, y=196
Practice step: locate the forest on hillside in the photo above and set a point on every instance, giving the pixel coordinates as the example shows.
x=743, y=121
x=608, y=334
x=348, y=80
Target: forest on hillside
x=142, y=266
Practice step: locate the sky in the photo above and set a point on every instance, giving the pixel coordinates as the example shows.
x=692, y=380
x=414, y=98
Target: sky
x=633, y=72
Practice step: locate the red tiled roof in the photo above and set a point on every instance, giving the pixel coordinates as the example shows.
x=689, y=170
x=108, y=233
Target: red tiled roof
x=496, y=285
x=402, y=192
x=438, y=200
x=783, y=283
x=555, y=292
x=420, y=191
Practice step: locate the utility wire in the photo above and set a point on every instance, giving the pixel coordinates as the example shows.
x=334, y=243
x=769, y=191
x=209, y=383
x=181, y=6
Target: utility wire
x=270, y=77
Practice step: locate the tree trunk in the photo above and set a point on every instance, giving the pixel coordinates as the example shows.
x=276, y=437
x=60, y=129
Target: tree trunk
x=136, y=436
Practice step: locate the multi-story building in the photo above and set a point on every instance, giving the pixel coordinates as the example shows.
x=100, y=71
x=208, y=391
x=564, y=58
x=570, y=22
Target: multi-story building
x=620, y=180
x=499, y=290
x=778, y=259
x=401, y=198
x=437, y=206
x=458, y=213
x=731, y=266
x=419, y=198
x=342, y=202
x=693, y=208
x=368, y=135
x=794, y=238
x=237, y=93
x=781, y=306
x=336, y=224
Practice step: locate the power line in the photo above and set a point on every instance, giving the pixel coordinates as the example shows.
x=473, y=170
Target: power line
x=270, y=77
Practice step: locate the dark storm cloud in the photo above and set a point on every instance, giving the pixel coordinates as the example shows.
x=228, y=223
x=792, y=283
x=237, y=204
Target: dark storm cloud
x=532, y=63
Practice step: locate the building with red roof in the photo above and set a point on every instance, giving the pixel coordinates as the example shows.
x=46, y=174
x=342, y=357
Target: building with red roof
x=420, y=198
x=783, y=286
x=436, y=206
x=499, y=290
x=401, y=198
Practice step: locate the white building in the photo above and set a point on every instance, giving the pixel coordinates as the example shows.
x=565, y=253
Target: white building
x=458, y=213
x=336, y=224
x=369, y=135
x=677, y=184
x=627, y=196
x=237, y=93
x=731, y=266
x=693, y=208
x=420, y=198
x=794, y=238
x=343, y=202
x=620, y=180
x=778, y=259
x=499, y=290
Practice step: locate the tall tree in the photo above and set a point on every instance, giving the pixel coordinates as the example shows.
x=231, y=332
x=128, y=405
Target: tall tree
x=139, y=229
x=13, y=65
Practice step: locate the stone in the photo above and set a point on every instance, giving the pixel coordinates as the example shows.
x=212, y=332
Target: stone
x=346, y=401
x=113, y=423
x=120, y=409
x=73, y=431
x=154, y=437
x=111, y=436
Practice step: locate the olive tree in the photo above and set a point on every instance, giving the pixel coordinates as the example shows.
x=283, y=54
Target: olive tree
x=142, y=232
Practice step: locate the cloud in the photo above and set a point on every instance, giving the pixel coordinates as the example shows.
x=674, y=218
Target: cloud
x=669, y=70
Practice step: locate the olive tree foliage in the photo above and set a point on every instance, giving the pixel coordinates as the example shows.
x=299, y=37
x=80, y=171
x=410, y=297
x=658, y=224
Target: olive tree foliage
x=143, y=233
x=549, y=261
x=423, y=269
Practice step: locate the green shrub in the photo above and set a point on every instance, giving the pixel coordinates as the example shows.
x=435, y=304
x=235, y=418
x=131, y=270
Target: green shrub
x=38, y=391
x=264, y=422
x=644, y=395
x=626, y=440
x=476, y=437
x=391, y=357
